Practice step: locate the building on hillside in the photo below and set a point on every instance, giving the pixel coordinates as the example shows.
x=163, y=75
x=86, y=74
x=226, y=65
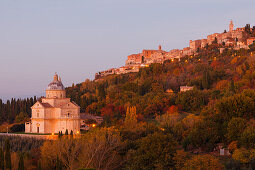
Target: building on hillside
x=173, y=54
x=211, y=38
x=203, y=43
x=186, y=88
x=87, y=116
x=186, y=51
x=194, y=45
x=134, y=59
x=250, y=40
x=55, y=112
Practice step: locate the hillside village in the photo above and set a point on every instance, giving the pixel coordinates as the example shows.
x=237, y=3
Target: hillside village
x=232, y=39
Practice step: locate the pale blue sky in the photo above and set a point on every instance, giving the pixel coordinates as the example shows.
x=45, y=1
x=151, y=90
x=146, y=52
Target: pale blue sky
x=78, y=38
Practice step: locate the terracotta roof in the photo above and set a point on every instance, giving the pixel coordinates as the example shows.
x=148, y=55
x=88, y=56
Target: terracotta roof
x=46, y=105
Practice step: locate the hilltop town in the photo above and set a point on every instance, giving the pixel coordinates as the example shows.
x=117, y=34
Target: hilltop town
x=233, y=39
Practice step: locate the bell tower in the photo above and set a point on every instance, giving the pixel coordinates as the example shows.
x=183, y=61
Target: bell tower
x=159, y=47
x=231, y=26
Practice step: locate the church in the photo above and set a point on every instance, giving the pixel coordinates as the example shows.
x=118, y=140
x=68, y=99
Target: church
x=55, y=112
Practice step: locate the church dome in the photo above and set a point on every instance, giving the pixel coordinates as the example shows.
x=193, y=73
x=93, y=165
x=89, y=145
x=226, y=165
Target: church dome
x=56, y=84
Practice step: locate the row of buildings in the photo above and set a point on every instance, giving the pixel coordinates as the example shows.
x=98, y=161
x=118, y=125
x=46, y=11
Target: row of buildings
x=234, y=38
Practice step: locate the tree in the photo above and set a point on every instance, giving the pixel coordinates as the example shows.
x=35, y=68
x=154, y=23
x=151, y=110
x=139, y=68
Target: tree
x=65, y=150
x=21, y=162
x=243, y=155
x=71, y=133
x=7, y=154
x=238, y=105
x=154, y=151
x=130, y=121
x=192, y=100
x=203, y=162
x=235, y=128
x=215, y=40
x=21, y=117
x=247, y=138
x=66, y=133
x=204, y=134
x=180, y=157
x=100, y=149
x=168, y=120
x=1, y=158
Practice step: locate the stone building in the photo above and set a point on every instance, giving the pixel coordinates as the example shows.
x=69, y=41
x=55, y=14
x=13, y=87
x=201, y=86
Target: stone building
x=194, y=45
x=55, y=112
x=250, y=40
x=186, y=88
x=134, y=59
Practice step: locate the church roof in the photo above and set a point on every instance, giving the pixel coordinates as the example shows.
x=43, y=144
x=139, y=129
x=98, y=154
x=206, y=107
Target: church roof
x=46, y=105
x=56, y=84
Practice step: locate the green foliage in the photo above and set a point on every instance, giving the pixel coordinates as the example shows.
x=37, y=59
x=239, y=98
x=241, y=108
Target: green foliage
x=239, y=105
x=13, y=109
x=131, y=118
x=204, y=134
x=192, y=100
x=235, y=128
x=18, y=128
x=248, y=137
x=203, y=162
x=71, y=134
x=21, y=117
x=154, y=152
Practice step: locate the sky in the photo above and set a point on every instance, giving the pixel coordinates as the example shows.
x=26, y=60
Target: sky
x=77, y=38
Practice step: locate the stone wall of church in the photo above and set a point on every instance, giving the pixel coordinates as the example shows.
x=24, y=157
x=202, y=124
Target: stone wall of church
x=37, y=126
x=56, y=94
x=38, y=113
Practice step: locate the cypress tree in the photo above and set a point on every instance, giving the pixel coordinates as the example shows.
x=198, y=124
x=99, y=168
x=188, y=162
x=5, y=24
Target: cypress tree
x=1, y=158
x=8, y=163
x=71, y=133
x=21, y=162
x=59, y=134
x=66, y=133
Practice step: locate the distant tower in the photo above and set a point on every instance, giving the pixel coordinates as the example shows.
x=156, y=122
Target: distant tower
x=159, y=47
x=231, y=26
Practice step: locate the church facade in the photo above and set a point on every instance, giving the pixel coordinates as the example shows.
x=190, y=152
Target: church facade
x=55, y=112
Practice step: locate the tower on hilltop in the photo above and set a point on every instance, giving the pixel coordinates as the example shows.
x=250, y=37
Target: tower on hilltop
x=159, y=47
x=231, y=26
